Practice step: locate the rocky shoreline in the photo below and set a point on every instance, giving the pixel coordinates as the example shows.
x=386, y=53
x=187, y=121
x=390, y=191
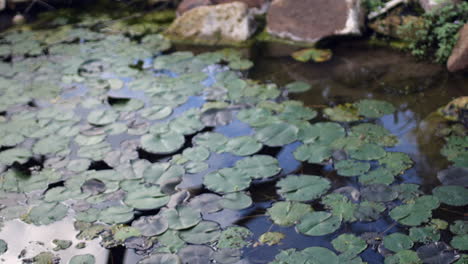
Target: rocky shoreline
x=306, y=23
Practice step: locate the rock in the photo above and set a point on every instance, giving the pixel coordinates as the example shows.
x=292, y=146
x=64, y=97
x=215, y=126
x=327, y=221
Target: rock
x=393, y=26
x=217, y=24
x=2, y=4
x=258, y=6
x=312, y=20
x=458, y=60
x=430, y=5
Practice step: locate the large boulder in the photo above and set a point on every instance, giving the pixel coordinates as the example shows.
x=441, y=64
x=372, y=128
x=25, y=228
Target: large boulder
x=216, y=24
x=258, y=6
x=312, y=20
x=430, y=5
x=458, y=60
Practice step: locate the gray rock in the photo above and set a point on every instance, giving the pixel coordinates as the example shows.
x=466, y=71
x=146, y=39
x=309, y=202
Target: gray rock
x=313, y=20
x=215, y=24
x=458, y=60
x=2, y=4
x=257, y=6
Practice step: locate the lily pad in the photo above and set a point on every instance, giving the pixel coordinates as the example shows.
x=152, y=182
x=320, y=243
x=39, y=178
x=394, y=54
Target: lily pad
x=116, y=215
x=151, y=225
x=181, y=217
x=227, y=180
x=303, y=187
x=397, y=242
x=452, y=195
x=298, y=87
x=318, y=224
x=10, y=156
x=288, y=213
x=277, y=134
x=322, y=133
x=162, y=143
x=416, y=212
x=259, y=166
x=313, y=153
x=102, y=117
x=234, y=237
x=374, y=108
x=404, y=256
x=156, y=112
x=243, y=146
x=46, y=213
x=424, y=234
x=203, y=232
x=3, y=246
x=161, y=258
x=350, y=168
x=271, y=238
x=196, y=254
x=349, y=244
x=368, y=152
x=236, y=201
x=147, y=198
x=378, y=193
x=460, y=242
x=459, y=227
x=83, y=259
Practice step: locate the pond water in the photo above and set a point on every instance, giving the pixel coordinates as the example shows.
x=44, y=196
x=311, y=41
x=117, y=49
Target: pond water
x=111, y=125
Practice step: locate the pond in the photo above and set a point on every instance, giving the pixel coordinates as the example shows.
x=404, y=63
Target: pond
x=118, y=148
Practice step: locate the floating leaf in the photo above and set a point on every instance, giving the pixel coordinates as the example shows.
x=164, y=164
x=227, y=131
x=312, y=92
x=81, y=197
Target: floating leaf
x=213, y=141
x=182, y=217
x=397, y=242
x=369, y=211
x=227, y=255
x=196, y=254
x=236, y=201
x=350, y=168
x=303, y=187
x=277, y=134
x=259, y=166
x=340, y=206
x=146, y=198
x=374, y=108
x=203, y=232
x=46, y=213
x=234, y=237
x=243, y=146
x=288, y=213
x=10, y=156
x=437, y=252
x=349, y=244
x=313, y=255
x=206, y=202
x=102, y=117
x=451, y=195
x=380, y=175
x=318, y=224
x=293, y=112
x=459, y=227
x=403, y=257
x=417, y=212
x=424, y=234
x=374, y=134
x=196, y=153
x=322, y=133
x=396, y=162
x=342, y=113
x=83, y=259
x=161, y=258
x=156, y=112
x=460, y=242
x=378, y=193
x=116, y=215
x=162, y=143
x=313, y=153
x=298, y=87
x=368, y=152
x=227, y=180
x=151, y=225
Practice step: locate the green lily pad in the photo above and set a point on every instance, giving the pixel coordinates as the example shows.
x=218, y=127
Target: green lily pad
x=451, y=195
x=303, y=187
x=380, y=175
x=257, y=117
x=213, y=141
x=227, y=180
x=404, y=257
x=374, y=108
x=196, y=254
x=349, y=244
x=259, y=166
x=234, y=237
x=460, y=242
x=182, y=217
x=194, y=167
x=312, y=255
x=158, y=173
x=52, y=145
x=293, y=112
x=350, y=168
x=116, y=215
x=318, y=224
x=146, y=198
x=313, y=153
x=314, y=54
x=162, y=143
x=340, y=206
x=203, y=232
x=378, y=193
x=397, y=242
x=83, y=259
x=369, y=211
x=277, y=134
x=227, y=255
x=396, y=162
x=424, y=234
x=89, y=216
x=288, y=213
x=196, y=153
x=415, y=212
x=459, y=227
x=374, y=134
x=236, y=201
x=102, y=117
x=171, y=241
x=46, y=213
x=298, y=87
x=368, y=152
x=243, y=146
x=156, y=112
x=125, y=104
x=10, y=156
x=322, y=133
x=342, y=113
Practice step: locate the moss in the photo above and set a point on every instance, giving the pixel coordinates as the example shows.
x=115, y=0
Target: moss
x=264, y=36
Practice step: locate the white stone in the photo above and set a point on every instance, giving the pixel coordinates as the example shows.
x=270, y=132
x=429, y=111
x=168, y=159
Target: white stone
x=215, y=24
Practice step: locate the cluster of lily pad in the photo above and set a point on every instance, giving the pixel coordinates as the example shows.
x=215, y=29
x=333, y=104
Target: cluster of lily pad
x=104, y=129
